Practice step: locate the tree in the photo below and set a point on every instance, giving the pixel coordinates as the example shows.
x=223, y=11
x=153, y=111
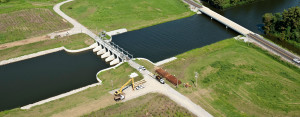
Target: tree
x=3, y=1
x=285, y=25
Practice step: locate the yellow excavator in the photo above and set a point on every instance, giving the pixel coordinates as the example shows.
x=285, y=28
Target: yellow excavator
x=119, y=95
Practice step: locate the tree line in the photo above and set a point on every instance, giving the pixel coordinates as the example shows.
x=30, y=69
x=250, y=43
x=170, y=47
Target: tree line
x=223, y=4
x=285, y=25
x=3, y=1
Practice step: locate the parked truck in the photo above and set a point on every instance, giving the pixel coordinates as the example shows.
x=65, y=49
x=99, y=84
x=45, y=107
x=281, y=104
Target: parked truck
x=158, y=78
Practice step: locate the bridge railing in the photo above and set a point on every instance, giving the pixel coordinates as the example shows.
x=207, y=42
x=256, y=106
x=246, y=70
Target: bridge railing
x=123, y=54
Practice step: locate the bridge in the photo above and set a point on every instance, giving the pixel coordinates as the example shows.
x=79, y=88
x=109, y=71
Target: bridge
x=111, y=52
x=249, y=34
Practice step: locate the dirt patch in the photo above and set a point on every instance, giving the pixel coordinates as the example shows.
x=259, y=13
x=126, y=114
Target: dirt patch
x=23, y=42
x=145, y=106
x=87, y=107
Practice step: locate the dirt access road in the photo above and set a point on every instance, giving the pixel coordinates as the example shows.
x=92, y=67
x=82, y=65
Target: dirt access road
x=23, y=42
x=152, y=84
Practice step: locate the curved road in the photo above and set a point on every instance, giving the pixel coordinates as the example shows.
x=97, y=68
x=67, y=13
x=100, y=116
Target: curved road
x=164, y=89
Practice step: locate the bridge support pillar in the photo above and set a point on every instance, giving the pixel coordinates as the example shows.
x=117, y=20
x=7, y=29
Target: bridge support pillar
x=110, y=58
x=102, y=51
x=105, y=55
x=114, y=62
x=97, y=49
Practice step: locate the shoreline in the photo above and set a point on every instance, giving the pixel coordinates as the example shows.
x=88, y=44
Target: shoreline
x=41, y=53
x=159, y=63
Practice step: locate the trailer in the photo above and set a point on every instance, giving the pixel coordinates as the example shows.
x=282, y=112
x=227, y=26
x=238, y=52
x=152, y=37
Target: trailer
x=171, y=78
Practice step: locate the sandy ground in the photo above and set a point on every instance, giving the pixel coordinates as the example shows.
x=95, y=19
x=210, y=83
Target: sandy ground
x=89, y=107
x=24, y=42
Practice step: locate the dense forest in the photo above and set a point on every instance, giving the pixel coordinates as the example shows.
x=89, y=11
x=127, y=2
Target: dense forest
x=284, y=26
x=223, y=4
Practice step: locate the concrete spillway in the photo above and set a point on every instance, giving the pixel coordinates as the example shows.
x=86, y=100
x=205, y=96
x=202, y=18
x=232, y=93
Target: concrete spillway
x=114, y=62
x=107, y=54
x=102, y=51
x=97, y=49
x=110, y=58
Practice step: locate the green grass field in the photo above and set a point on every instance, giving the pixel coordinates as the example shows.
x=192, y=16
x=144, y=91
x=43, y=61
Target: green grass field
x=16, y=5
x=83, y=102
x=238, y=80
x=148, y=105
x=131, y=14
x=77, y=41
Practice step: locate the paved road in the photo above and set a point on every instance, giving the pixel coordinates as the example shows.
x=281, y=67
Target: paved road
x=79, y=28
x=153, y=86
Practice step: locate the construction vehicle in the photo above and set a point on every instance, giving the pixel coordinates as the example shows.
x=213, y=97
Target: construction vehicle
x=186, y=85
x=157, y=77
x=160, y=79
x=119, y=94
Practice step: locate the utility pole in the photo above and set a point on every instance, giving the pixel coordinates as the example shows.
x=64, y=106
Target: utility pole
x=196, y=77
x=177, y=82
x=112, y=84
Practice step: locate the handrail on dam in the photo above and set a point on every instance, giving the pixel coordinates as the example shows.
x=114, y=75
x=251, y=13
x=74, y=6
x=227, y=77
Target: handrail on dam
x=114, y=48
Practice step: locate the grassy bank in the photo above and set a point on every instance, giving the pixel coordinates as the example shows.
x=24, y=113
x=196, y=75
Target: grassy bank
x=149, y=66
x=72, y=42
x=83, y=102
x=224, y=4
x=16, y=5
x=23, y=19
x=130, y=14
x=148, y=105
x=238, y=80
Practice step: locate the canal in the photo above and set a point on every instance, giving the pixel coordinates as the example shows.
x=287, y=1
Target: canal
x=32, y=80
x=39, y=78
x=172, y=38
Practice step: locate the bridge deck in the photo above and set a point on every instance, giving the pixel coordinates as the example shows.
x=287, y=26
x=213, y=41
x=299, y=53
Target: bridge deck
x=220, y=18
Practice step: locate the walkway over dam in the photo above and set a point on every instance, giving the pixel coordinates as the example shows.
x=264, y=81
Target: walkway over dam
x=247, y=33
x=111, y=52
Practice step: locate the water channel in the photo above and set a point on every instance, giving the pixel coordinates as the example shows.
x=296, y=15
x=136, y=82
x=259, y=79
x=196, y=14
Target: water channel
x=42, y=77
x=39, y=78
x=172, y=38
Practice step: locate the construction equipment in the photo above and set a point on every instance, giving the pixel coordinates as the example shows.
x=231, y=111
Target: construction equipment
x=168, y=76
x=119, y=95
x=157, y=77
x=160, y=79
x=186, y=85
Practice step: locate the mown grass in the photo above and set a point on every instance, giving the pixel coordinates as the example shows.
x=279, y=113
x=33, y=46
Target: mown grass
x=238, y=80
x=22, y=19
x=131, y=14
x=16, y=5
x=83, y=102
x=149, y=66
x=77, y=41
x=147, y=105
